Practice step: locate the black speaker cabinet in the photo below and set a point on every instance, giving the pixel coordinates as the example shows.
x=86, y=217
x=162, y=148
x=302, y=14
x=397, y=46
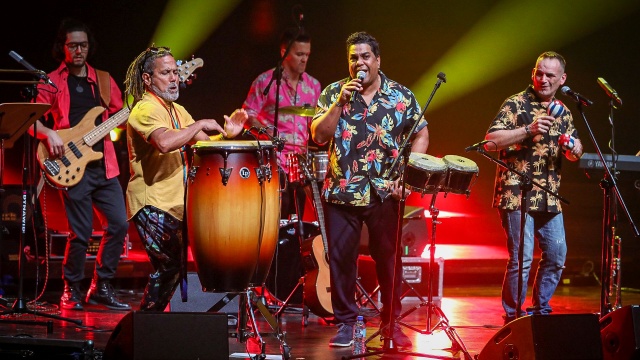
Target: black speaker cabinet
x=546, y=337
x=171, y=336
x=200, y=301
x=12, y=347
x=620, y=331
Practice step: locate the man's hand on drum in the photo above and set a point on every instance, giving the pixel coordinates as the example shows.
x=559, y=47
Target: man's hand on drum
x=396, y=190
x=234, y=124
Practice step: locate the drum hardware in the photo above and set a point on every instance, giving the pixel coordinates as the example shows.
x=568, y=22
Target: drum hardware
x=305, y=110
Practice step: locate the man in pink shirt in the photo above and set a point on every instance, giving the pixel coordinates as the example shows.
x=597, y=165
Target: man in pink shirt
x=297, y=89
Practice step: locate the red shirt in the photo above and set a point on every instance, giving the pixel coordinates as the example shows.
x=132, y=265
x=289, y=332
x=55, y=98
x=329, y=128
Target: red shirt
x=60, y=103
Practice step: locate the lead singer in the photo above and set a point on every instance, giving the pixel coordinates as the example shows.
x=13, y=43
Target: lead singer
x=365, y=118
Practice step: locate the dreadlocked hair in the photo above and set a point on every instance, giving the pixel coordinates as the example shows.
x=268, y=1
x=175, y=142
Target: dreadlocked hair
x=143, y=63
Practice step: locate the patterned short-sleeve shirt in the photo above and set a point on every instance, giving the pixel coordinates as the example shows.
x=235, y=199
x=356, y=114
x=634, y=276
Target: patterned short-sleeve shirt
x=366, y=140
x=541, y=160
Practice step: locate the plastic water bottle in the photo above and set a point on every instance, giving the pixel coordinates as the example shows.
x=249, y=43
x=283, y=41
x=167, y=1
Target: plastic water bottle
x=359, y=336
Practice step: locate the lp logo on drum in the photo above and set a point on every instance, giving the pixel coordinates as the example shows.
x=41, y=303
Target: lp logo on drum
x=245, y=173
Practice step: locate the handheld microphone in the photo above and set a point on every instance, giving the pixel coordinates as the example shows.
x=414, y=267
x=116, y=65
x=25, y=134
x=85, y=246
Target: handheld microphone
x=361, y=74
x=476, y=146
x=609, y=90
x=577, y=97
x=39, y=73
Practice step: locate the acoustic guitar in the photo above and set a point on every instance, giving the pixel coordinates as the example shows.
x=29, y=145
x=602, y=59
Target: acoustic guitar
x=317, y=281
x=68, y=170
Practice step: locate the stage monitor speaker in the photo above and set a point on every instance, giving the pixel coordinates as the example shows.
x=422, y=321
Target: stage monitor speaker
x=546, y=337
x=620, y=331
x=200, y=301
x=12, y=347
x=171, y=336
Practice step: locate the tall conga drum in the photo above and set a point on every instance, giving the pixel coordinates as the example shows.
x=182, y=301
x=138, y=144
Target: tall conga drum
x=230, y=200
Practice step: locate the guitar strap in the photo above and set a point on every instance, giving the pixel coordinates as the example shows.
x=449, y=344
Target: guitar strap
x=104, y=86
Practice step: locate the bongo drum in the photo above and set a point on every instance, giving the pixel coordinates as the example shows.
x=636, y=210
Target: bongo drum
x=424, y=173
x=232, y=211
x=461, y=174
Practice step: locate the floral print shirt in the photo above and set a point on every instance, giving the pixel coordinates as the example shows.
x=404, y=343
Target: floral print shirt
x=541, y=160
x=366, y=141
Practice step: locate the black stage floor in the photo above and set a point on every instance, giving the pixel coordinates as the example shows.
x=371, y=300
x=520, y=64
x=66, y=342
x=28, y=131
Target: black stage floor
x=469, y=301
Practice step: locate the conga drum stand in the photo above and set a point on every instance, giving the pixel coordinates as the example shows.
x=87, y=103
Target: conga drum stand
x=247, y=326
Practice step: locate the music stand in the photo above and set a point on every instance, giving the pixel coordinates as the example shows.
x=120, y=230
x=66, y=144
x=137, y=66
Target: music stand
x=15, y=119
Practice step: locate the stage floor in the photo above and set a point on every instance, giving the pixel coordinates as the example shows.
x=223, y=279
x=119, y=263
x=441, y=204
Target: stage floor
x=470, y=304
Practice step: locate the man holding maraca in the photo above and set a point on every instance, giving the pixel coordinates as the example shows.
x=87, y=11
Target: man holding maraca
x=533, y=131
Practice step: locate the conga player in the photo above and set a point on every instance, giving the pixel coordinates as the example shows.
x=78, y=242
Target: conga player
x=157, y=132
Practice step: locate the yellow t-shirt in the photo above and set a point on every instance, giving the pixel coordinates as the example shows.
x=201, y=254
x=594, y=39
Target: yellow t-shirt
x=156, y=179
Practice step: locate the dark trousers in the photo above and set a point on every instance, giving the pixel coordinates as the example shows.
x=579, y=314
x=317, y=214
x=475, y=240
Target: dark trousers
x=107, y=197
x=344, y=226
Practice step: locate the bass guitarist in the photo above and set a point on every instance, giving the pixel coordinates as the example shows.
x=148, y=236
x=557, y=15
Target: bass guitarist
x=77, y=88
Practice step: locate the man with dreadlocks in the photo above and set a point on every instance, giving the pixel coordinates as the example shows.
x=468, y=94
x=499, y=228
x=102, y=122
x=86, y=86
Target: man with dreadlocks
x=157, y=132
x=81, y=88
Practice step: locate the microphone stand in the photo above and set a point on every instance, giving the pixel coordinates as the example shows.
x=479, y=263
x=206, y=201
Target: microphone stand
x=608, y=184
x=20, y=305
x=393, y=173
x=526, y=184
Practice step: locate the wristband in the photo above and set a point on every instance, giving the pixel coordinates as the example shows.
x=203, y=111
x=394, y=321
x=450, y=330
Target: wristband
x=337, y=103
x=526, y=128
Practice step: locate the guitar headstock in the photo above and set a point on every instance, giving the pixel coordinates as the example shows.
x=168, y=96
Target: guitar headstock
x=186, y=69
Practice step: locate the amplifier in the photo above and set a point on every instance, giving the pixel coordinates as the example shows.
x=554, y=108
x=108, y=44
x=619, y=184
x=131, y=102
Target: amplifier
x=58, y=244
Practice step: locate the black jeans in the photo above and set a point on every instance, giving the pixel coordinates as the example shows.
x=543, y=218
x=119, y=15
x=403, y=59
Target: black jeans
x=107, y=197
x=344, y=227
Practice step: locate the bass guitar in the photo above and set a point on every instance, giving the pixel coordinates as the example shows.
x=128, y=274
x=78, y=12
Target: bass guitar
x=68, y=170
x=317, y=281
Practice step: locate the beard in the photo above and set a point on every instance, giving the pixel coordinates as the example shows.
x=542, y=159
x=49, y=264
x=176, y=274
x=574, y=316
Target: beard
x=167, y=95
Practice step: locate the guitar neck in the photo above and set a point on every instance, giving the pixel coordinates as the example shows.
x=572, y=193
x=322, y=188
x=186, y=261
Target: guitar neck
x=316, y=200
x=100, y=131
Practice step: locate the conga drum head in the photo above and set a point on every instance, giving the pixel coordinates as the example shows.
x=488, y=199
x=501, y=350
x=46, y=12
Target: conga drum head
x=424, y=173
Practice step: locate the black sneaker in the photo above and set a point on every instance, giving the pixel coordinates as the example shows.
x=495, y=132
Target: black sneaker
x=71, y=297
x=399, y=338
x=344, y=337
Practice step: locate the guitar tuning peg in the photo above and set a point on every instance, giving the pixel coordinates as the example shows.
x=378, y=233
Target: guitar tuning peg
x=179, y=62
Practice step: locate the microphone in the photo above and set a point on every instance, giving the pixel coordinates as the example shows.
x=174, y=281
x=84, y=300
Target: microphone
x=39, y=73
x=609, y=90
x=577, y=97
x=476, y=146
x=361, y=74
x=442, y=77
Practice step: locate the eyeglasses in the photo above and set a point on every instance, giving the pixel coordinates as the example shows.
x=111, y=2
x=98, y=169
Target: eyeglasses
x=151, y=51
x=73, y=46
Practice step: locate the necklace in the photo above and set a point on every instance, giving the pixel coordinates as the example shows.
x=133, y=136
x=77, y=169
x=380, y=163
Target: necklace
x=79, y=88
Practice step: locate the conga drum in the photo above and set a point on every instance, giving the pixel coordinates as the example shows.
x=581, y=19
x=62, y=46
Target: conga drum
x=232, y=211
x=424, y=173
x=461, y=175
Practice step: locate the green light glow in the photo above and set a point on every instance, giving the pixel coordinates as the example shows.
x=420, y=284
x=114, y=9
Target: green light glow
x=511, y=35
x=187, y=23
